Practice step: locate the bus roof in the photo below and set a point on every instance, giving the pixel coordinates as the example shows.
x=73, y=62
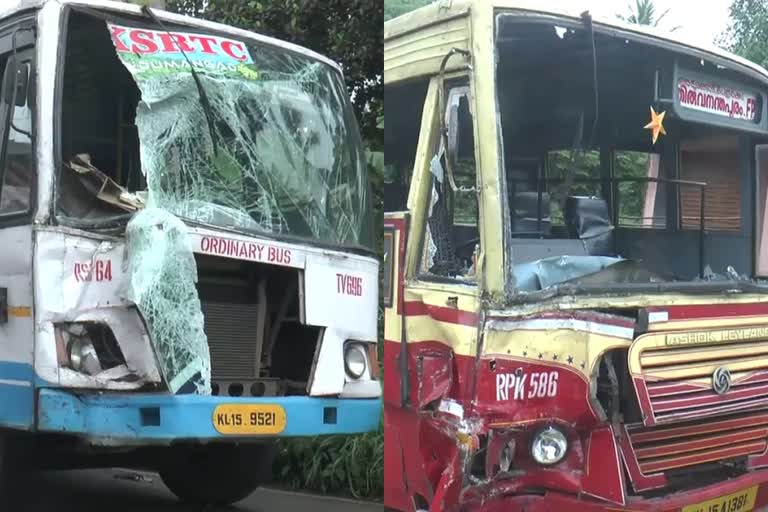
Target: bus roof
x=9, y=7
x=441, y=11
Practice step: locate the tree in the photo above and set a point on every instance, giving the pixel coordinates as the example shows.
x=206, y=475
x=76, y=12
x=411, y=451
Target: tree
x=349, y=31
x=747, y=35
x=394, y=8
x=157, y=4
x=644, y=13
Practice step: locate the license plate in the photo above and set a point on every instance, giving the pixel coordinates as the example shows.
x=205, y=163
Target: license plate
x=742, y=501
x=249, y=419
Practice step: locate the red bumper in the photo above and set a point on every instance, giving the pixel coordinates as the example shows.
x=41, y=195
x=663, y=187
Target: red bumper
x=672, y=503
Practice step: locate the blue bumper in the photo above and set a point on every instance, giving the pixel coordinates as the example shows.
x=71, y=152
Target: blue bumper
x=147, y=419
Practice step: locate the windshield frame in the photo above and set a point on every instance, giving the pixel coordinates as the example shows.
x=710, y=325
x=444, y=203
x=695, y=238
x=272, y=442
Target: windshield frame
x=127, y=13
x=513, y=293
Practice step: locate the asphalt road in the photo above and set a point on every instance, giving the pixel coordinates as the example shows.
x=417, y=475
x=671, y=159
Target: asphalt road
x=121, y=491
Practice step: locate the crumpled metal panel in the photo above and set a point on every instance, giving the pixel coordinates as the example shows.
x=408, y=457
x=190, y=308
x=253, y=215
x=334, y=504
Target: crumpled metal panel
x=546, y=272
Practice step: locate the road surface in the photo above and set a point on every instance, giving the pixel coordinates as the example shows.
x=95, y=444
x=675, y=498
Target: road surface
x=119, y=491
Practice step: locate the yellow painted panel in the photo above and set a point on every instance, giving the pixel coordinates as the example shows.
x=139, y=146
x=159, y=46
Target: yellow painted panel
x=420, y=53
x=650, y=358
x=578, y=349
x=683, y=371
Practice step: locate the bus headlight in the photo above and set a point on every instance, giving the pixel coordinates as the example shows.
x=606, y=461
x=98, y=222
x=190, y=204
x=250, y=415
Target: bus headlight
x=355, y=360
x=549, y=446
x=83, y=357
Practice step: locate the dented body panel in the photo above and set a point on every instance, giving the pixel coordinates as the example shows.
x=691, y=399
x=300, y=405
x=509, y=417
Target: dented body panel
x=176, y=330
x=478, y=369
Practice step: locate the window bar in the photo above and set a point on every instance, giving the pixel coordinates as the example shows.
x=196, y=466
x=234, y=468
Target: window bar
x=702, y=189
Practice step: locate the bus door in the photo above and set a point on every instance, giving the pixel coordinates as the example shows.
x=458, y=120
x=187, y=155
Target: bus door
x=432, y=320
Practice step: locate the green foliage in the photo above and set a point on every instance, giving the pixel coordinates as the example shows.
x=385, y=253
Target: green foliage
x=747, y=35
x=348, y=31
x=580, y=165
x=644, y=13
x=394, y=8
x=352, y=465
x=631, y=164
x=585, y=165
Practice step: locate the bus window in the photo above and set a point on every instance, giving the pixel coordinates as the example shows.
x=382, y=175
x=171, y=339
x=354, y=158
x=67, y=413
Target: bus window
x=567, y=170
x=18, y=165
x=716, y=162
x=452, y=227
x=761, y=158
x=405, y=104
x=642, y=204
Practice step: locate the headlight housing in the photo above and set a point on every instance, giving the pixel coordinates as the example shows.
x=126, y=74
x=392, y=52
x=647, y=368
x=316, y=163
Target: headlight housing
x=355, y=360
x=549, y=446
x=83, y=357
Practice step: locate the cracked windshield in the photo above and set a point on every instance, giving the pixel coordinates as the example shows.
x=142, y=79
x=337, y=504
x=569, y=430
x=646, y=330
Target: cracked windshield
x=246, y=136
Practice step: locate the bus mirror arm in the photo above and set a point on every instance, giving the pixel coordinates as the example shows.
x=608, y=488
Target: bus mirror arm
x=450, y=149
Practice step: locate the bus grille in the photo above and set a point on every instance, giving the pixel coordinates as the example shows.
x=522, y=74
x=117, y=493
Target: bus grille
x=678, y=380
x=231, y=330
x=659, y=449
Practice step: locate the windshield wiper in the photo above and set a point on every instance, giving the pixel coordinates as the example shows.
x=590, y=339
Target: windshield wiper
x=206, y=104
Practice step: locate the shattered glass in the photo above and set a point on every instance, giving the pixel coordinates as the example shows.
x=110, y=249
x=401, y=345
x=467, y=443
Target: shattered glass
x=162, y=278
x=284, y=156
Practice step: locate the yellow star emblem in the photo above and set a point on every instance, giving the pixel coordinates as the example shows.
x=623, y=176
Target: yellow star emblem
x=656, y=125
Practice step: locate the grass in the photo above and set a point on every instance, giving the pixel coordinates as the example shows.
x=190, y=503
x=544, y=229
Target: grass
x=350, y=466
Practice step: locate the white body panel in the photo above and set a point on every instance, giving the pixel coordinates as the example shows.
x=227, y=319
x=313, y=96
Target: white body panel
x=16, y=276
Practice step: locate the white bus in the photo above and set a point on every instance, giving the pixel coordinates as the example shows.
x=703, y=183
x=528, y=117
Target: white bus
x=188, y=268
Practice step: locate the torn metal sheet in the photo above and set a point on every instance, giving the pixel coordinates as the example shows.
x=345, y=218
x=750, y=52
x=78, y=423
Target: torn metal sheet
x=107, y=190
x=543, y=273
x=258, y=139
x=161, y=280
x=89, y=270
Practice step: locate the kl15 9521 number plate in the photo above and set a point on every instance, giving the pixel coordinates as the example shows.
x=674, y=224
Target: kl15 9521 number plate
x=249, y=419
x=742, y=501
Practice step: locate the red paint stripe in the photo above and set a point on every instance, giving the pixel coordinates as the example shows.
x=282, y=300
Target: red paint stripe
x=692, y=445
x=640, y=482
x=709, y=398
x=638, y=434
x=709, y=456
x=440, y=313
x=713, y=310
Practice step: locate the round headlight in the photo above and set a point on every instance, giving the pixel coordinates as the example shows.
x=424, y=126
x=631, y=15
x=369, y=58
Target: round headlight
x=549, y=446
x=355, y=361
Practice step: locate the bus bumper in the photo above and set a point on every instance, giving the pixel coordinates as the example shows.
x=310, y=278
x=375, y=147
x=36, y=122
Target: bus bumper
x=720, y=497
x=157, y=419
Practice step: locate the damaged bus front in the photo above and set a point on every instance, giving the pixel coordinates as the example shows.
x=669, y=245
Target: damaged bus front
x=189, y=269
x=575, y=245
